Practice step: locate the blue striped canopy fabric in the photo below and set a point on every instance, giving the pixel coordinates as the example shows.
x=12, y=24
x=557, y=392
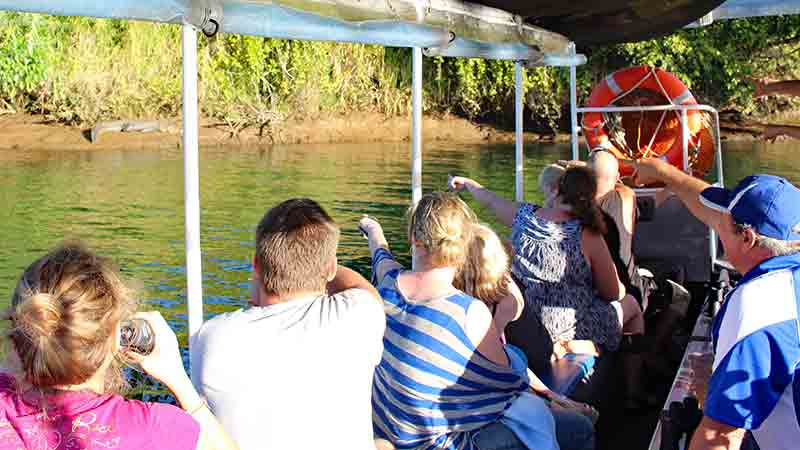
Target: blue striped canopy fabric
x=432, y=387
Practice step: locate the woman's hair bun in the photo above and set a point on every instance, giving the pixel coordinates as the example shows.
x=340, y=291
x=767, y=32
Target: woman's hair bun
x=64, y=314
x=38, y=316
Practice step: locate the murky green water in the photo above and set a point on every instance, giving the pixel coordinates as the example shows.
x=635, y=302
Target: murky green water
x=129, y=204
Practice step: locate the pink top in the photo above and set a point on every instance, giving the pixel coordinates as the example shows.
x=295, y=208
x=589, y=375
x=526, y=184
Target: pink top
x=85, y=420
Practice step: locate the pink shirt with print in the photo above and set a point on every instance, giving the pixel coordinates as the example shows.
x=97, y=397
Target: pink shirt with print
x=85, y=420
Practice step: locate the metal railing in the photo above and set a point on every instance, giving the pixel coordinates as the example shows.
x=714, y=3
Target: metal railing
x=683, y=111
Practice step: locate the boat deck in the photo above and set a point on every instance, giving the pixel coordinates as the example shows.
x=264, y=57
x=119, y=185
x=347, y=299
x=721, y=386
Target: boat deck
x=693, y=374
x=620, y=429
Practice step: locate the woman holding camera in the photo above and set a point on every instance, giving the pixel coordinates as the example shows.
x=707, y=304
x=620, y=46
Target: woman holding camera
x=61, y=386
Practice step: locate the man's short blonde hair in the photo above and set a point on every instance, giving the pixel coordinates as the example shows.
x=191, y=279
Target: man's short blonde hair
x=296, y=245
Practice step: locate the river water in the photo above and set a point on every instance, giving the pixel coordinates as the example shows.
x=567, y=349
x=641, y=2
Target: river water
x=129, y=204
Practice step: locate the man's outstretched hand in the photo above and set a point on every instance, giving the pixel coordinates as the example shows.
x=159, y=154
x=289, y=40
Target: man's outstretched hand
x=649, y=171
x=458, y=184
x=567, y=163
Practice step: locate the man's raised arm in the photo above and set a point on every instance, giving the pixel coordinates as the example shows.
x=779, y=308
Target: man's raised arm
x=349, y=279
x=685, y=186
x=713, y=435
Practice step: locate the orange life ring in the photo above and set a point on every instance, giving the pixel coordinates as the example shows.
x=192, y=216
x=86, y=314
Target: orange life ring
x=662, y=136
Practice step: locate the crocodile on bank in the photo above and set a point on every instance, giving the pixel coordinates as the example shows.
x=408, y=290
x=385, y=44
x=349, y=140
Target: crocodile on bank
x=131, y=126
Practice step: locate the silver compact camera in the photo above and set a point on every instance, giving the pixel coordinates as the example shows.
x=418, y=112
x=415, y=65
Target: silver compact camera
x=137, y=335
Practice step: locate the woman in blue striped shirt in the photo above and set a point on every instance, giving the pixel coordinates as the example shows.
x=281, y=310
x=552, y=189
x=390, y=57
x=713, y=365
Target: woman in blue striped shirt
x=444, y=381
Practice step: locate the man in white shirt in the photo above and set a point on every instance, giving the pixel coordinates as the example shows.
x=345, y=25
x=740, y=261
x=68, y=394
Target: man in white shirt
x=755, y=384
x=294, y=370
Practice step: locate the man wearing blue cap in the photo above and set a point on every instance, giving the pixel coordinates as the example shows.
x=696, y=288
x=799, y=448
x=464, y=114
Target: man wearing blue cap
x=755, y=384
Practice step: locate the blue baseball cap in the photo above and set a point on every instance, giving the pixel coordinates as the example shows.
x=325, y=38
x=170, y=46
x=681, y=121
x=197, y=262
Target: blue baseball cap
x=770, y=204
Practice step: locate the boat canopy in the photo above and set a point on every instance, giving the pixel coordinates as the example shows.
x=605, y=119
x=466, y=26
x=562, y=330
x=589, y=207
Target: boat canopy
x=443, y=27
x=498, y=29
x=735, y=9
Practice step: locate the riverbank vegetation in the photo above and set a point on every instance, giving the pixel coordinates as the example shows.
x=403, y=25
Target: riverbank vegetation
x=79, y=71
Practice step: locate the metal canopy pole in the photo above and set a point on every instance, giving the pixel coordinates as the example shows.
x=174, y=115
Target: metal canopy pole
x=573, y=102
x=416, y=126
x=191, y=173
x=685, y=139
x=519, y=157
x=720, y=182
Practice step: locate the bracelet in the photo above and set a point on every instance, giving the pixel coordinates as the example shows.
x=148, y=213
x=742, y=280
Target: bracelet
x=198, y=408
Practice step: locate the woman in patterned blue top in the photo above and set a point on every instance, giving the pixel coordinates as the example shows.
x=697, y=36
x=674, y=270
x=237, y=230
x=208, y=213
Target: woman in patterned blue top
x=444, y=381
x=565, y=269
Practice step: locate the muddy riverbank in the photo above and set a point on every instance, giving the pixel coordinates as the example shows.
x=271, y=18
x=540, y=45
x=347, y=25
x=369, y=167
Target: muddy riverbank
x=29, y=132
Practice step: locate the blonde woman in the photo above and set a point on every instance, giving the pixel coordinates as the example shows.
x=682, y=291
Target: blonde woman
x=60, y=390
x=444, y=381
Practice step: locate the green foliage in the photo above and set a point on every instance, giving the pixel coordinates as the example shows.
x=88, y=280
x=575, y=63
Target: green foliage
x=77, y=69
x=479, y=88
x=21, y=65
x=84, y=70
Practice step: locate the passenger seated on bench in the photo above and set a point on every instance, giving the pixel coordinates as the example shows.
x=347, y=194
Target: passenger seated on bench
x=485, y=275
x=619, y=205
x=622, y=210
x=755, y=335
x=565, y=270
x=294, y=370
x=60, y=388
x=549, y=179
x=441, y=348
x=618, y=201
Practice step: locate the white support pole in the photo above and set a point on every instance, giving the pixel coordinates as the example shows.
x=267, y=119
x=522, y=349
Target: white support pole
x=720, y=183
x=573, y=103
x=416, y=126
x=518, y=108
x=685, y=139
x=194, y=271
x=718, y=150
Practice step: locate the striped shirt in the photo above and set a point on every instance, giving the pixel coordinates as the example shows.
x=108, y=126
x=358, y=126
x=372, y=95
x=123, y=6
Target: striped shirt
x=432, y=387
x=756, y=380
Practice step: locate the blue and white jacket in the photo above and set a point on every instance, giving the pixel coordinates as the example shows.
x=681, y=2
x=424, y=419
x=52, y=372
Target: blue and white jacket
x=756, y=380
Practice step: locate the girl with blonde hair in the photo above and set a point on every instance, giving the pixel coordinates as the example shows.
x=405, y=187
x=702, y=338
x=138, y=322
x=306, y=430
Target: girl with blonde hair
x=61, y=387
x=485, y=276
